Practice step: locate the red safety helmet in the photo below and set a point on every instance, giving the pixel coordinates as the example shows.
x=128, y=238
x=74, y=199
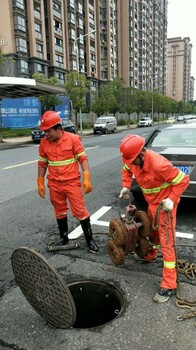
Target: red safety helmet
x=131, y=146
x=49, y=119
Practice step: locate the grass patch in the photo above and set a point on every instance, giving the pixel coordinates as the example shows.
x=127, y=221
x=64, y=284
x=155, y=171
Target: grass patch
x=8, y=133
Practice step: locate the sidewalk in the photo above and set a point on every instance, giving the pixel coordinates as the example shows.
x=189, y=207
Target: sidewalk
x=142, y=325
x=85, y=132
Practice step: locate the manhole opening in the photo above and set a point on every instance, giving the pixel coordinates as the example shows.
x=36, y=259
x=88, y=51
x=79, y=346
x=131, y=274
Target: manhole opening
x=97, y=302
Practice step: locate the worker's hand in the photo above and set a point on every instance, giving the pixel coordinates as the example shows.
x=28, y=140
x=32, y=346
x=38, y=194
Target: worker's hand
x=167, y=204
x=41, y=187
x=86, y=184
x=125, y=193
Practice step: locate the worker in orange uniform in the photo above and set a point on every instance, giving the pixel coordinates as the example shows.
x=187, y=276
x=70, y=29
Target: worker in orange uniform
x=162, y=184
x=60, y=153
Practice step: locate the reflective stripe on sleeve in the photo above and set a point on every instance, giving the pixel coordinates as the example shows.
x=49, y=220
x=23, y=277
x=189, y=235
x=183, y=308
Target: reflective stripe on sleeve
x=42, y=159
x=174, y=182
x=80, y=154
x=125, y=167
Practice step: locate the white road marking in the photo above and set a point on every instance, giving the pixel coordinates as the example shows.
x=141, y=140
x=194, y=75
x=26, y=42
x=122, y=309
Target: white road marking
x=21, y=164
x=86, y=149
x=184, y=235
x=95, y=221
x=34, y=161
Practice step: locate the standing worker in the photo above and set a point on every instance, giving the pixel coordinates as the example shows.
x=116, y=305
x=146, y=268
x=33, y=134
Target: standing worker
x=162, y=185
x=59, y=153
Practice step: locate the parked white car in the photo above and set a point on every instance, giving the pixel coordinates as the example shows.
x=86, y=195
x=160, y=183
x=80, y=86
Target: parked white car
x=145, y=121
x=171, y=120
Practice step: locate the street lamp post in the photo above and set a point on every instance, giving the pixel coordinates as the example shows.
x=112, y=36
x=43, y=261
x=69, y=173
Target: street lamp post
x=152, y=90
x=77, y=65
x=152, y=106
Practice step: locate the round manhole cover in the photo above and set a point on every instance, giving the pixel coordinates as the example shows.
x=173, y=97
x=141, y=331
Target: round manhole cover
x=43, y=287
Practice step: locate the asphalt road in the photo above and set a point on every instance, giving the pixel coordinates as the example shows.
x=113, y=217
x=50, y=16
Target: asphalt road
x=26, y=220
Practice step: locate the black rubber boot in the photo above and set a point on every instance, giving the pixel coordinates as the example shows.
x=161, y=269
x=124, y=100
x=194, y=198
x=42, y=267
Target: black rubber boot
x=63, y=230
x=86, y=227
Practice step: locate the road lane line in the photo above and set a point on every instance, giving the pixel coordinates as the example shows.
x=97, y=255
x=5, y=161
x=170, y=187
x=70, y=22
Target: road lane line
x=20, y=164
x=34, y=161
x=86, y=149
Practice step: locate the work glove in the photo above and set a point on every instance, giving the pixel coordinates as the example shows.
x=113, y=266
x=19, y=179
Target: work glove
x=86, y=184
x=125, y=193
x=41, y=187
x=167, y=204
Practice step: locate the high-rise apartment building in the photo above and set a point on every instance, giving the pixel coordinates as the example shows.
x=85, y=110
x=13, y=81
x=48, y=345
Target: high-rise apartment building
x=100, y=38
x=180, y=85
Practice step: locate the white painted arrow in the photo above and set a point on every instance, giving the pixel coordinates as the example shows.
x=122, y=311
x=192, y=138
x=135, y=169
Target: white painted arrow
x=94, y=221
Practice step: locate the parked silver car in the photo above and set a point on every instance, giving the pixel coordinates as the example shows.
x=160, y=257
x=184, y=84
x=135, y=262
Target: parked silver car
x=177, y=143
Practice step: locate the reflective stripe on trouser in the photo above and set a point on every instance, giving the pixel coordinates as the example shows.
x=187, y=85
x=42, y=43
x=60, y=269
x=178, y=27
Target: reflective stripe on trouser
x=167, y=245
x=61, y=192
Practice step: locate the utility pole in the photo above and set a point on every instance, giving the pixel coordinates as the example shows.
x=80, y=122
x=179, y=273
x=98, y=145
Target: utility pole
x=78, y=67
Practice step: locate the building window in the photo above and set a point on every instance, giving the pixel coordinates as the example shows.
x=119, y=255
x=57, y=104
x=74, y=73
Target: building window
x=81, y=53
x=40, y=68
x=20, y=23
x=56, y=7
x=38, y=33
x=59, y=61
x=71, y=18
x=80, y=23
x=37, y=13
x=58, y=27
x=23, y=66
x=80, y=9
x=39, y=50
x=72, y=34
x=71, y=3
x=73, y=65
x=57, y=10
x=60, y=77
x=21, y=45
x=20, y=4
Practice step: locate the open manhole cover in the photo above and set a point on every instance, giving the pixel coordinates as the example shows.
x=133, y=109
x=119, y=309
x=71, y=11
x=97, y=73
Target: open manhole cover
x=43, y=287
x=87, y=303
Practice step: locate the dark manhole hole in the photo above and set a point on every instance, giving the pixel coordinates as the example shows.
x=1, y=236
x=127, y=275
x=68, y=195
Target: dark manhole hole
x=97, y=302
x=84, y=303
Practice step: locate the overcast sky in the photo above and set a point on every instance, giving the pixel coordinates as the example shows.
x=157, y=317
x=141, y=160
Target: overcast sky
x=182, y=23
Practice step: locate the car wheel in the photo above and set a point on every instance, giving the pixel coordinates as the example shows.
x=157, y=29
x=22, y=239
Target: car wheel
x=114, y=131
x=94, y=132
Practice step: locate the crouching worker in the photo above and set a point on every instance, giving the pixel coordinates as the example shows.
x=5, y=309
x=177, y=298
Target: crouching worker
x=162, y=185
x=60, y=153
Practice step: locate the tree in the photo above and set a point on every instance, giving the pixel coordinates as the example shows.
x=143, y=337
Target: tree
x=127, y=102
x=105, y=102
x=6, y=64
x=48, y=101
x=76, y=87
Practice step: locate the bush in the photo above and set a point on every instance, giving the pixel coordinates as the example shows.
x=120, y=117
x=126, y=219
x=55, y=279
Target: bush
x=7, y=132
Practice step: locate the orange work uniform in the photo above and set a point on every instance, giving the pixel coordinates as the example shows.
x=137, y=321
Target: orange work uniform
x=158, y=180
x=61, y=159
